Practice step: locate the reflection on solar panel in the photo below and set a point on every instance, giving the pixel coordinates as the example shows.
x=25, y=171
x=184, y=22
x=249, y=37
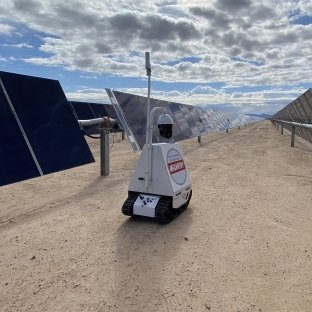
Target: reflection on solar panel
x=38, y=132
x=299, y=110
x=123, y=121
x=189, y=121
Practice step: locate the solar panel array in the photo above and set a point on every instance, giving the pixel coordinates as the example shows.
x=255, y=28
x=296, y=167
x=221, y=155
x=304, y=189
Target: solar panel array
x=299, y=110
x=189, y=121
x=38, y=132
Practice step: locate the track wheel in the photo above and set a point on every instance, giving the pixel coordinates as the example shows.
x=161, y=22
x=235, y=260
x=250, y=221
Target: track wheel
x=163, y=211
x=127, y=207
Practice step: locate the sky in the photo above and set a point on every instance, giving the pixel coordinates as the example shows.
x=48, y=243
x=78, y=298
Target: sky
x=235, y=55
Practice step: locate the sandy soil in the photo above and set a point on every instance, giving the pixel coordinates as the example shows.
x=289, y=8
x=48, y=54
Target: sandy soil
x=244, y=243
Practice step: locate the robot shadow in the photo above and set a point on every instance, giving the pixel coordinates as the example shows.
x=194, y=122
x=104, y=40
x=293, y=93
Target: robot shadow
x=145, y=257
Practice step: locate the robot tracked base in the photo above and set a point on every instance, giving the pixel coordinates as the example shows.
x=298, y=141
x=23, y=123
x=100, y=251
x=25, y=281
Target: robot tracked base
x=158, y=207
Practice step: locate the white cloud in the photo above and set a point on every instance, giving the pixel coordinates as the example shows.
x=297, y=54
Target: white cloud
x=19, y=45
x=265, y=101
x=6, y=29
x=241, y=43
x=88, y=95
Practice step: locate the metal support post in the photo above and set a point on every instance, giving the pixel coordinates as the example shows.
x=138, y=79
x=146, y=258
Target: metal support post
x=282, y=128
x=104, y=151
x=148, y=142
x=293, y=131
x=199, y=139
x=123, y=135
x=227, y=131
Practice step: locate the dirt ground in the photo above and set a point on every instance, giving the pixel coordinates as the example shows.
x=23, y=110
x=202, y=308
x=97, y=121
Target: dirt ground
x=244, y=243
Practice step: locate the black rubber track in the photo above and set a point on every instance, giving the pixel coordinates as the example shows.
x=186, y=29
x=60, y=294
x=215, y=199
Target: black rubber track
x=164, y=212
x=127, y=207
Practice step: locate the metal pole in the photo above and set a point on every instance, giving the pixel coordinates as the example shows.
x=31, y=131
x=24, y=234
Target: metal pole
x=147, y=139
x=293, y=131
x=123, y=135
x=282, y=128
x=304, y=125
x=199, y=139
x=104, y=151
x=227, y=131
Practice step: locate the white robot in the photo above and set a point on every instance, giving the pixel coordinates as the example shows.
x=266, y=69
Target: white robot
x=160, y=186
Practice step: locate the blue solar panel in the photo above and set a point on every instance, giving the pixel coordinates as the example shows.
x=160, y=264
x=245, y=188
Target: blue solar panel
x=13, y=167
x=107, y=110
x=86, y=110
x=110, y=111
x=82, y=109
x=98, y=110
x=48, y=124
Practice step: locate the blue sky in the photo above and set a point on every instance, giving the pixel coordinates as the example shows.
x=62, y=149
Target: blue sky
x=243, y=55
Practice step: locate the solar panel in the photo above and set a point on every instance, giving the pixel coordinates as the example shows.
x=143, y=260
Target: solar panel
x=189, y=121
x=222, y=120
x=186, y=131
x=13, y=167
x=299, y=110
x=122, y=120
x=164, y=105
x=203, y=118
x=134, y=108
x=39, y=133
x=85, y=111
x=98, y=110
x=136, y=117
x=110, y=111
x=196, y=119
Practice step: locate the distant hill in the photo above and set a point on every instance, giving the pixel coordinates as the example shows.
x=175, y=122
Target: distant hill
x=265, y=116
